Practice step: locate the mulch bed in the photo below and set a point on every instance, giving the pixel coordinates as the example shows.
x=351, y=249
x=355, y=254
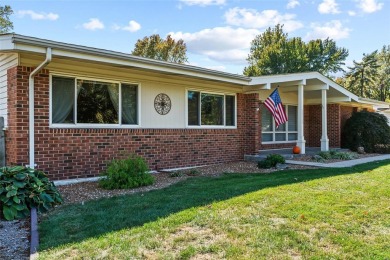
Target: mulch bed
x=81, y=192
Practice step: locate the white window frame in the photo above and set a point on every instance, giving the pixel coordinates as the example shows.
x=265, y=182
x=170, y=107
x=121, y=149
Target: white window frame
x=286, y=132
x=84, y=125
x=224, y=94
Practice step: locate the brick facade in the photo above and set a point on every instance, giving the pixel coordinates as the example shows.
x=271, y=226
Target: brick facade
x=77, y=153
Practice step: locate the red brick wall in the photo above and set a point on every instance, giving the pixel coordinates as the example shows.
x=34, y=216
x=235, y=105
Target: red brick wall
x=75, y=153
x=17, y=134
x=313, y=125
x=252, y=124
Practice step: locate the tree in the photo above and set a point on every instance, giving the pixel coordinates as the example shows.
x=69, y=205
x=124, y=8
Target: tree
x=5, y=23
x=155, y=47
x=272, y=52
x=384, y=73
x=363, y=75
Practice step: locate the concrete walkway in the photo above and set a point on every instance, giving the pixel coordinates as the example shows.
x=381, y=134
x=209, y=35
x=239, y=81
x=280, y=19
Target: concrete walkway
x=342, y=164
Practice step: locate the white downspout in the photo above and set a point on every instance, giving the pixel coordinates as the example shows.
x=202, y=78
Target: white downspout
x=31, y=121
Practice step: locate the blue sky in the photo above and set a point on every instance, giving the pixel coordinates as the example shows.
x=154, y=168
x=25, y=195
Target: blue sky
x=217, y=32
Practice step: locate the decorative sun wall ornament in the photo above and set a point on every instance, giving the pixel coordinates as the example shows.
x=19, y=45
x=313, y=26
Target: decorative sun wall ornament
x=162, y=104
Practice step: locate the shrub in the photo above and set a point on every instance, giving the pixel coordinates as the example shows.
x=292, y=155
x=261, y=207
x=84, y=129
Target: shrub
x=271, y=161
x=128, y=173
x=23, y=188
x=333, y=154
x=366, y=129
x=325, y=155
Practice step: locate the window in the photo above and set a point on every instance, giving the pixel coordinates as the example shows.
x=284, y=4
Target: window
x=287, y=132
x=206, y=109
x=80, y=101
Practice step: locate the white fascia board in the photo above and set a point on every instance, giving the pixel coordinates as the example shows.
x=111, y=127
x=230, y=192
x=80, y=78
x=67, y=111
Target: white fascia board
x=36, y=45
x=256, y=88
x=375, y=103
x=6, y=44
x=282, y=78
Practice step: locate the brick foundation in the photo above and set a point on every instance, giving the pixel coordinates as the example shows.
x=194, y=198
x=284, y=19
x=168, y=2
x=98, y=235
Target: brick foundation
x=77, y=153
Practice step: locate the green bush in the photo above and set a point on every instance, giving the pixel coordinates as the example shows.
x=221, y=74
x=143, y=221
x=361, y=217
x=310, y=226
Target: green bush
x=271, y=161
x=128, y=173
x=366, y=129
x=334, y=154
x=325, y=155
x=23, y=188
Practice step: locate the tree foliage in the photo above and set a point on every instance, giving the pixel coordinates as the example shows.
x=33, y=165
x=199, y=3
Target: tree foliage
x=363, y=74
x=370, y=78
x=154, y=47
x=273, y=52
x=5, y=23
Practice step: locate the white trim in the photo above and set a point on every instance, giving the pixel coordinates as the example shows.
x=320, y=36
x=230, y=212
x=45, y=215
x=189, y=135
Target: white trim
x=223, y=94
x=31, y=107
x=301, y=119
x=76, y=125
x=280, y=142
x=324, y=124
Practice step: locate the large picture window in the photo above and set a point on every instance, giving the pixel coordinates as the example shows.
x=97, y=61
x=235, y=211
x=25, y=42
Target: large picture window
x=207, y=109
x=287, y=132
x=80, y=101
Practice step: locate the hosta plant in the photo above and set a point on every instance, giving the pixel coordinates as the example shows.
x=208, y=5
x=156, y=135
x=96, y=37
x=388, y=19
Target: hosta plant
x=22, y=188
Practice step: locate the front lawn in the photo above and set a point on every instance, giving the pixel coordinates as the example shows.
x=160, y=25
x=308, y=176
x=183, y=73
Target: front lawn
x=316, y=213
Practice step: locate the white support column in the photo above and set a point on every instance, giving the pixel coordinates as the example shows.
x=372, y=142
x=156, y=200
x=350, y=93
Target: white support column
x=324, y=137
x=301, y=139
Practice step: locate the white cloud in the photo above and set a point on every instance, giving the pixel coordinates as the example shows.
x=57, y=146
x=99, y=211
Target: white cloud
x=132, y=27
x=221, y=43
x=351, y=13
x=292, y=4
x=250, y=18
x=333, y=29
x=369, y=6
x=93, y=24
x=38, y=16
x=328, y=7
x=203, y=2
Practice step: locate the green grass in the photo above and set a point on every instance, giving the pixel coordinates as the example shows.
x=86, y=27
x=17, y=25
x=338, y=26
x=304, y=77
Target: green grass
x=320, y=213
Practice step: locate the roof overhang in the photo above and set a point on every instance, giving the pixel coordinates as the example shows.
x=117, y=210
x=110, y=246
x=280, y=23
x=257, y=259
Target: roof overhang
x=312, y=81
x=288, y=83
x=21, y=43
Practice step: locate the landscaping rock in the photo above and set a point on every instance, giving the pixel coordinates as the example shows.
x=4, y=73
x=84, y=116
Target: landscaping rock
x=281, y=166
x=360, y=150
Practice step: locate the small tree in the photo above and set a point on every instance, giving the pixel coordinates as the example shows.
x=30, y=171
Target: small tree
x=5, y=23
x=366, y=129
x=154, y=47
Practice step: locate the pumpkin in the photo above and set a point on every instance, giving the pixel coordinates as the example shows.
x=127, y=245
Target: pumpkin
x=296, y=150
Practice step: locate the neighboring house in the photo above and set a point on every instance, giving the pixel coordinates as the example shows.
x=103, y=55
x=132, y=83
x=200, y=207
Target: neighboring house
x=70, y=109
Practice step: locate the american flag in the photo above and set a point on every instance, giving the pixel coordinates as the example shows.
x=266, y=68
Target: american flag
x=275, y=106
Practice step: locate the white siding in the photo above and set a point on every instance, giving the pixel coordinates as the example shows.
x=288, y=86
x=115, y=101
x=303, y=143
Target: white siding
x=7, y=61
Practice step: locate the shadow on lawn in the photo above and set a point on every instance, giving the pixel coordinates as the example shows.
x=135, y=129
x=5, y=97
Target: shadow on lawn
x=74, y=223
